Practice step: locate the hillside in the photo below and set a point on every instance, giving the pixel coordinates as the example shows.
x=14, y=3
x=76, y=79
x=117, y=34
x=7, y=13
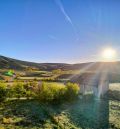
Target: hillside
x=9, y=63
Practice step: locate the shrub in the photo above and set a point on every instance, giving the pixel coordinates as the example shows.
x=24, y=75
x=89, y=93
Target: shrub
x=33, y=84
x=3, y=91
x=49, y=92
x=7, y=121
x=45, y=92
x=18, y=90
x=56, y=93
x=29, y=94
x=72, y=91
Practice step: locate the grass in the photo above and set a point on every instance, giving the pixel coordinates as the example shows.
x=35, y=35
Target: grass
x=85, y=113
x=31, y=115
x=114, y=116
x=114, y=86
x=55, y=83
x=82, y=114
x=30, y=78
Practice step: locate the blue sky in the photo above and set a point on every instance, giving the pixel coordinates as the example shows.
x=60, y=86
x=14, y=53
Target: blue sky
x=69, y=31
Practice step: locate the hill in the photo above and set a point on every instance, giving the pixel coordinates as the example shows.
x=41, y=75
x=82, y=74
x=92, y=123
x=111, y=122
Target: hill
x=9, y=63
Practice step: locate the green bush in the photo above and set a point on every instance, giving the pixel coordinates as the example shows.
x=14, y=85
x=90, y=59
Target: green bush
x=29, y=94
x=3, y=91
x=29, y=88
x=45, y=92
x=56, y=93
x=49, y=92
x=72, y=91
x=18, y=90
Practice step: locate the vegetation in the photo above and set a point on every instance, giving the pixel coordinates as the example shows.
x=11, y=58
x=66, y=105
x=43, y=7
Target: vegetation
x=40, y=99
x=81, y=114
x=52, y=93
x=3, y=91
x=41, y=94
x=57, y=71
x=72, y=91
x=44, y=92
x=50, y=105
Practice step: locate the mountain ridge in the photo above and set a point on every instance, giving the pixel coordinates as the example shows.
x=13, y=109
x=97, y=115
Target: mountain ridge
x=10, y=63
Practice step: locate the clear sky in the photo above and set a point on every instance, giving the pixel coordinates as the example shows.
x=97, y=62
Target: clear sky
x=70, y=31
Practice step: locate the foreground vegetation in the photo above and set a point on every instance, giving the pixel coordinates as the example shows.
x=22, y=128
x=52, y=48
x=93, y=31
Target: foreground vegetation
x=46, y=105
x=42, y=91
x=81, y=114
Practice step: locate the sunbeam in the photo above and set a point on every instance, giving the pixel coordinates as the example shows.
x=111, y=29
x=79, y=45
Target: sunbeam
x=82, y=70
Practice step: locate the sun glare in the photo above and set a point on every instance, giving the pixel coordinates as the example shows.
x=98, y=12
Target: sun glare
x=109, y=54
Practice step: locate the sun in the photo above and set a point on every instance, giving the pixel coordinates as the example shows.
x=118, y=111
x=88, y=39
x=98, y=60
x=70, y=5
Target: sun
x=109, y=54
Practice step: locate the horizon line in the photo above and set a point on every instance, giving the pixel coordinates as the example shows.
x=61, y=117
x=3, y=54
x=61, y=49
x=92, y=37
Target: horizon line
x=61, y=62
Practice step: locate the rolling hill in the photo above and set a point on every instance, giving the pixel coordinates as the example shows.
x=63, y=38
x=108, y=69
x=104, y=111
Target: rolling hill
x=9, y=63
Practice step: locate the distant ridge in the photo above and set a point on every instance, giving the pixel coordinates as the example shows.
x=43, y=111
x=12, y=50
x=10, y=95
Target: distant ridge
x=7, y=63
x=10, y=63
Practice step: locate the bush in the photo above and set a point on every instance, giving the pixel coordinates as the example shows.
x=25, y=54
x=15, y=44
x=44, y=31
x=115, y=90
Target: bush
x=72, y=91
x=45, y=92
x=56, y=93
x=3, y=92
x=29, y=94
x=49, y=92
x=18, y=90
x=7, y=121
